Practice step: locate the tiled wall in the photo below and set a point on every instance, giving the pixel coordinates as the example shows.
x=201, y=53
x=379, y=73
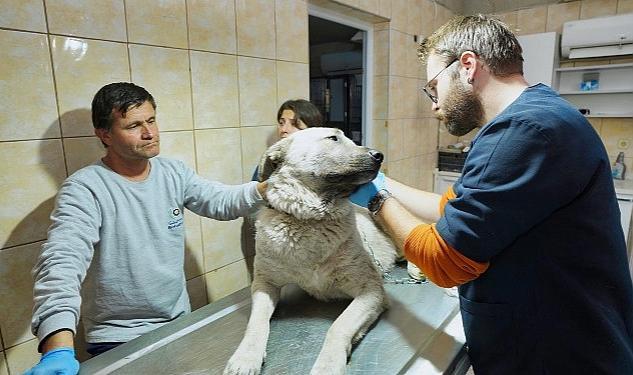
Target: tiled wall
x=218, y=76
x=399, y=109
x=218, y=69
x=547, y=18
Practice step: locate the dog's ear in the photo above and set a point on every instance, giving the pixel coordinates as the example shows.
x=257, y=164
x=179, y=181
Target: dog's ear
x=272, y=158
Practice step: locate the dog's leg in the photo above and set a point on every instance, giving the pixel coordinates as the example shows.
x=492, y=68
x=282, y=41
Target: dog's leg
x=347, y=328
x=250, y=354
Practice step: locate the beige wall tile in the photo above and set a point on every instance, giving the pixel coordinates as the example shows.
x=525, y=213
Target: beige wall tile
x=408, y=171
x=398, y=53
x=197, y=292
x=396, y=97
x=381, y=97
x=509, y=18
x=215, y=90
x=87, y=18
x=379, y=139
x=258, y=84
x=23, y=15
x=3, y=364
x=291, y=22
x=615, y=132
x=414, y=17
x=412, y=137
x=24, y=210
x=371, y=6
x=399, y=18
x=410, y=92
x=625, y=6
x=385, y=8
x=597, y=8
x=413, y=65
x=22, y=357
x=16, y=292
x=82, y=151
x=531, y=20
x=442, y=15
x=212, y=25
x=428, y=15
x=164, y=72
x=218, y=155
x=255, y=141
x=27, y=109
x=293, y=81
x=221, y=241
x=395, y=136
x=226, y=280
x=351, y=3
x=429, y=128
x=381, y=52
x=160, y=23
x=256, y=28
x=178, y=145
x=81, y=68
x=558, y=14
x=426, y=165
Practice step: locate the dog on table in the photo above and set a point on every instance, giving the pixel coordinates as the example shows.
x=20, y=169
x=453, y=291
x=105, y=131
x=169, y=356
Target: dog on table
x=312, y=236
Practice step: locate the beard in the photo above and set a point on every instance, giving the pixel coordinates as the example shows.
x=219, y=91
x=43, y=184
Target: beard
x=462, y=110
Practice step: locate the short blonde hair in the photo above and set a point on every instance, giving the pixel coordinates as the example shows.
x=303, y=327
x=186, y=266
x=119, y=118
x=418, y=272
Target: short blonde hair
x=487, y=37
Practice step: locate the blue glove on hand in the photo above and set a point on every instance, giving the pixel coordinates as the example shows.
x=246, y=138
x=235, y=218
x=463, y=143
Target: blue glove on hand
x=365, y=193
x=59, y=361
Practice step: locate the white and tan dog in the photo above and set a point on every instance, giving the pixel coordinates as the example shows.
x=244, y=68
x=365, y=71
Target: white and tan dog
x=311, y=235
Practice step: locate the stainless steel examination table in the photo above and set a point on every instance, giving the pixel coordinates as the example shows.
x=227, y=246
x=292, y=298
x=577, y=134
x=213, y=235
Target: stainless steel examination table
x=421, y=333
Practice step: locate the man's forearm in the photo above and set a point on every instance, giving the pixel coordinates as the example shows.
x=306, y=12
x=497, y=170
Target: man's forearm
x=422, y=204
x=63, y=338
x=397, y=220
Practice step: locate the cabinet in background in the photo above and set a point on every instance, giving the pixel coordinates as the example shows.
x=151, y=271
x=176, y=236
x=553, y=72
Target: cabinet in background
x=442, y=180
x=612, y=98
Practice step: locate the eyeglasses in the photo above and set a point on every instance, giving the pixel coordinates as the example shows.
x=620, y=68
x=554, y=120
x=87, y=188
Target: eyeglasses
x=426, y=89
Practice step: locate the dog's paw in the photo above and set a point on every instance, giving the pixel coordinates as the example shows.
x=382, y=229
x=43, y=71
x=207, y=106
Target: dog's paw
x=244, y=363
x=332, y=363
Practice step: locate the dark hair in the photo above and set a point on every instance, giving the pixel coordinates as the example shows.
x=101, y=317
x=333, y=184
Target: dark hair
x=304, y=111
x=487, y=37
x=117, y=97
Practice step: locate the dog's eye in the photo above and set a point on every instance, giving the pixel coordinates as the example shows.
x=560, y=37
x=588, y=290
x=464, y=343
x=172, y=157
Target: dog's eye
x=332, y=137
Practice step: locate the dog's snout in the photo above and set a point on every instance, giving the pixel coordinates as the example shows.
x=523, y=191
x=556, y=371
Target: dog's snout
x=377, y=155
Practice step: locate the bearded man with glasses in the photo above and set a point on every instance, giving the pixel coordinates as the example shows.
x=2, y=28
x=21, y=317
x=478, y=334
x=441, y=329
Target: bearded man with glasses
x=531, y=230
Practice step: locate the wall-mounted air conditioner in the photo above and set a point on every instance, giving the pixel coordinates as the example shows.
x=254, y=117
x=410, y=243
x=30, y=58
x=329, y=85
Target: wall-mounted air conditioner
x=595, y=37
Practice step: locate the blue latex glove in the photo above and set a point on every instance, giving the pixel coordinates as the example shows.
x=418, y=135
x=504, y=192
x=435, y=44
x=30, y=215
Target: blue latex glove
x=60, y=361
x=365, y=193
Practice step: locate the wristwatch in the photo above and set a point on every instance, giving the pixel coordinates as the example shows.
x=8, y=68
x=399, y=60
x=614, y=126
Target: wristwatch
x=375, y=204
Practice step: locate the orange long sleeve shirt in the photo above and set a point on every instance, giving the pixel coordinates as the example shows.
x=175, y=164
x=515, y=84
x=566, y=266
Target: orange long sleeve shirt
x=441, y=263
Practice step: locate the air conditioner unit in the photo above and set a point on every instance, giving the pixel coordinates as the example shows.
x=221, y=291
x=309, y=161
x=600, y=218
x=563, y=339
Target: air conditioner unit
x=595, y=37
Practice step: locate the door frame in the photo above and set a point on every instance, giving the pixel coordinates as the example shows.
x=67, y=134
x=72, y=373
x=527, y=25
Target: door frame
x=368, y=65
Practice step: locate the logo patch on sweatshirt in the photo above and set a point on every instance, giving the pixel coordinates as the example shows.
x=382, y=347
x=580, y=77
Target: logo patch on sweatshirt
x=177, y=218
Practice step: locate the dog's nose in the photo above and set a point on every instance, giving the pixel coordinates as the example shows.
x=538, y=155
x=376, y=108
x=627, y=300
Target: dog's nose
x=377, y=155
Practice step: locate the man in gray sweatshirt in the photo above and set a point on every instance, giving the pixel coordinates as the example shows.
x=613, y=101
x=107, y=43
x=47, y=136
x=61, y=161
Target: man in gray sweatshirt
x=118, y=230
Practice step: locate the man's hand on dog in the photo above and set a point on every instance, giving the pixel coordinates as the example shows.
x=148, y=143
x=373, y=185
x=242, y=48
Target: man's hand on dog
x=365, y=193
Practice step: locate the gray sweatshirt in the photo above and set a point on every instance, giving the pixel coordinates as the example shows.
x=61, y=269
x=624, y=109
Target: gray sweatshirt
x=116, y=248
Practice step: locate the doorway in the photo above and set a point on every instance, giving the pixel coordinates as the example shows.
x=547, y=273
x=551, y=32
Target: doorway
x=337, y=75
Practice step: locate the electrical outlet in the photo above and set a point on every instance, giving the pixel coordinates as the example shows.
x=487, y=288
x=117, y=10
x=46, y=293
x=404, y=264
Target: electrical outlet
x=623, y=144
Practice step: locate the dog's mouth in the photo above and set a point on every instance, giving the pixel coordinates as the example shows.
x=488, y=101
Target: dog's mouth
x=354, y=178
